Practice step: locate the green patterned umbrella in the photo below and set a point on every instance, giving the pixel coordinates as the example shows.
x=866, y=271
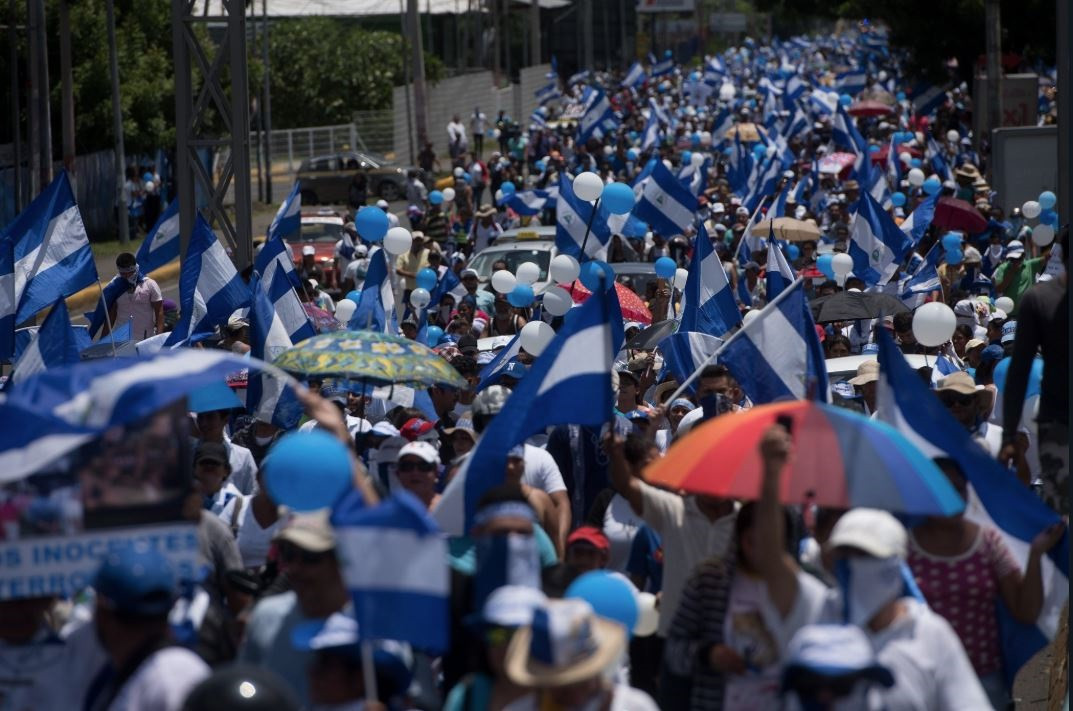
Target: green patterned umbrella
x=370, y=357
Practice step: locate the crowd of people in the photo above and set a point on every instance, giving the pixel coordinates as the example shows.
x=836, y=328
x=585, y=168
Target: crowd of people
x=730, y=604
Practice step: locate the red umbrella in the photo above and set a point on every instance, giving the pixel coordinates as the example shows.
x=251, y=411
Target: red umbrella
x=837, y=163
x=954, y=214
x=869, y=108
x=633, y=309
x=880, y=156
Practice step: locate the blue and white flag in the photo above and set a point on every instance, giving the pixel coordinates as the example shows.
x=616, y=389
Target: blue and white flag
x=447, y=284
x=763, y=183
x=778, y=355
x=569, y=383
x=920, y=219
x=996, y=498
x=161, y=245
x=549, y=92
x=707, y=301
x=110, y=293
x=635, y=76
x=376, y=308
x=913, y=290
x=210, y=289
x=665, y=203
x=288, y=219
x=54, y=344
x=845, y=134
x=530, y=202
x=267, y=398
x=778, y=208
x=491, y=372
x=581, y=77
x=685, y=352
x=926, y=98
x=661, y=67
x=876, y=244
x=851, y=82
x=44, y=256
x=275, y=255
x=289, y=307
x=598, y=118
x=651, y=135
x=394, y=564
x=572, y=217
x=778, y=274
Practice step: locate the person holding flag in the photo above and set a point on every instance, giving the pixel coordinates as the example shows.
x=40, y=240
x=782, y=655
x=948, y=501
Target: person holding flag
x=140, y=302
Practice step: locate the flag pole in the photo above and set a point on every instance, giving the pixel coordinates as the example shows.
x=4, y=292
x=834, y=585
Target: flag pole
x=585, y=240
x=696, y=373
x=368, y=672
x=107, y=318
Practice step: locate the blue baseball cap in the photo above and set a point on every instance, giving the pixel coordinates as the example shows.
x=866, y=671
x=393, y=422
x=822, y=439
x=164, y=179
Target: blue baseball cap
x=136, y=579
x=992, y=354
x=514, y=370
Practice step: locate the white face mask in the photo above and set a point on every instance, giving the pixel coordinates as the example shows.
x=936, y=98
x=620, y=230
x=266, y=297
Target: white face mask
x=867, y=584
x=262, y=441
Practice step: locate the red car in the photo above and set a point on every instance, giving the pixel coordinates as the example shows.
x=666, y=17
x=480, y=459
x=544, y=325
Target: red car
x=320, y=230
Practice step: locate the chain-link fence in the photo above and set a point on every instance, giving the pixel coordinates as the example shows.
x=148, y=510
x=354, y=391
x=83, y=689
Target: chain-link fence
x=376, y=133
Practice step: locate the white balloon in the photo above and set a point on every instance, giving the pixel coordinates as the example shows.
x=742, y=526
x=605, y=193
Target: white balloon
x=1004, y=303
x=448, y=194
x=770, y=152
x=419, y=298
x=953, y=136
x=535, y=337
x=564, y=269
x=398, y=240
x=557, y=301
x=905, y=157
x=916, y=177
x=680, y=277
x=344, y=309
x=647, y=615
x=1031, y=209
x=749, y=316
x=697, y=159
x=588, y=186
x=1042, y=234
x=667, y=164
x=499, y=196
x=504, y=282
x=608, y=150
x=842, y=264
x=496, y=133
x=527, y=272
x=706, y=138
x=933, y=324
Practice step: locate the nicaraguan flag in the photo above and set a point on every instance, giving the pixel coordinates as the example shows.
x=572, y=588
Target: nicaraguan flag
x=661, y=67
x=845, y=134
x=268, y=398
x=598, y=118
x=44, y=256
x=851, y=82
x=996, y=498
x=778, y=274
x=913, y=290
x=778, y=208
x=54, y=344
x=635, y=76
x=876, y=244
x=289, y=307
x=210, y=289
x=109, y=294
x=581, y=77
x=765, y=179
x=288, y=219
x=569, y=383
x=161, y=245
x=529, y=202
x=572, y=216
x=920, y=219
x=778, y=355
x=707, y=301
x=926, y=98
x=685, y=351
x=650, y=137
x=376, y=309
x=549, y=92
x=665, y=203
x=446, y=285
x=394, y=564
x=491, y=372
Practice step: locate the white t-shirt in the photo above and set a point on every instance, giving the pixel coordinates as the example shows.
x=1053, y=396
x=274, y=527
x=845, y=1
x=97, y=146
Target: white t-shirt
x=754, y=629
x=989, y=436
x=627, y=698
x=224, y=501
x=354, y=425
x=541, y=471
x=137, y=306
x=620, y=527
x=162, y=682
x=253, y=541
x=243, y=467
x=49, y=673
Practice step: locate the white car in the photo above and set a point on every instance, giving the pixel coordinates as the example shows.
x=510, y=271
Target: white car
x=533, y=244
x=839, y=370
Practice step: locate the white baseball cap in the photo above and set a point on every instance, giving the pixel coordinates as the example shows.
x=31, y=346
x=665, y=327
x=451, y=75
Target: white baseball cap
x=875, y=532
x=422, y=450
x=382, y=204
x=309, y=250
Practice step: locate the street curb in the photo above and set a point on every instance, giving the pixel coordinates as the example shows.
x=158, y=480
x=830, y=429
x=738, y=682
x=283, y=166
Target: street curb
x=87, y=298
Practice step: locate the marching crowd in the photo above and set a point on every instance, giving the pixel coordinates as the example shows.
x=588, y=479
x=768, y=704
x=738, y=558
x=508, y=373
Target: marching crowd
x=579, y=582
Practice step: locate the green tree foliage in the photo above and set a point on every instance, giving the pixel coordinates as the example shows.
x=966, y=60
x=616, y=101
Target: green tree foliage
x=324, y=69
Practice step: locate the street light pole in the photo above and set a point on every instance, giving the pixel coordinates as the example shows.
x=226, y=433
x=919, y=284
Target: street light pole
x=117, y=128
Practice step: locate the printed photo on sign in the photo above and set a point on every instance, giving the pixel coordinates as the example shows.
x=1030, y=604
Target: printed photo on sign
x=132, y=483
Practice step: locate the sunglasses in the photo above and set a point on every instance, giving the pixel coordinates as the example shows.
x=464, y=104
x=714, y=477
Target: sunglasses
x=289, y=553
x=404, y=467
x=949, y=397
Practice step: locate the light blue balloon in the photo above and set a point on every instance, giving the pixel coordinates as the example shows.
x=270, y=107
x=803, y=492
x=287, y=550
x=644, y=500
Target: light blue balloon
x=823, y=263
x=426, y=279
x=686, y=155
x=1047, y=200
x=521, y=296
x=1049, y=217
x=695, y=138
x=897, y=199
x=435, y=197
x=540, y=166
x=354, y=296
x=591, y=272
x=508, y=188
x=915, y=163
x=666, y=268
x=951, y=240
x=618, y=198
x=609, y=594
x=900, y=96
x=932, y=185
x=632, y=154
x=954, y=257
x=307, y=470
x=433, y=334
x=873, y=148
x=845, y=99
x=667, y=54
x=371, y=223
x=792, y=251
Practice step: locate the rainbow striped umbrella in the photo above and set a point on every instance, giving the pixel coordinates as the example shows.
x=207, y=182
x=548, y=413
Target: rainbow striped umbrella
x=841, y=459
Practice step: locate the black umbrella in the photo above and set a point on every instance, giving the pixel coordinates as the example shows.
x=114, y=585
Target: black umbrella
x=651, y=337
x=854, y=305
